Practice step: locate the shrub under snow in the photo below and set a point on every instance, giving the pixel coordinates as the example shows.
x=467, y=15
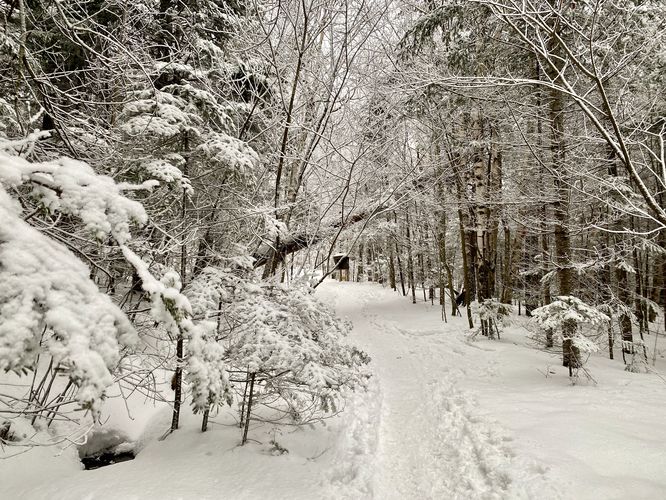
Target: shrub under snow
x=283, y=337
x=493, y=315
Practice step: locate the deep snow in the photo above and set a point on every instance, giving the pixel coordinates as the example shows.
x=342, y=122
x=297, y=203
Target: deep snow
x=444, y=418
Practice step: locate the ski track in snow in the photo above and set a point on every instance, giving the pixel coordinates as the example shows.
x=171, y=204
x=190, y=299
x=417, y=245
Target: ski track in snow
x=430, y=443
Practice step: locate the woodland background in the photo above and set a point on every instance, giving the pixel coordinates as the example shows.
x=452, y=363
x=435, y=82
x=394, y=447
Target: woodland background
x=177, y=174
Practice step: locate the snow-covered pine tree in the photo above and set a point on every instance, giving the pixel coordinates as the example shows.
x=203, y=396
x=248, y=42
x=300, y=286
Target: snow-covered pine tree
x=565, y=317
x=187, y=126
x=56, y=326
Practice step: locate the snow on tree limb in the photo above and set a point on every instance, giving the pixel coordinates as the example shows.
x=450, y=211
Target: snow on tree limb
x=48, y=303
x=205, y=368
x=293, y=243
x=72, y=187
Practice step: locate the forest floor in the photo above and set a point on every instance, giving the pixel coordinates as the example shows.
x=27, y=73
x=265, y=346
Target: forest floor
x=445, y=417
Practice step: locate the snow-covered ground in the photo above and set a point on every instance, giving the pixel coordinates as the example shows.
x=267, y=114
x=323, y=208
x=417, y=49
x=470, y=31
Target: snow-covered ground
x=480, y=419
x=444, y=418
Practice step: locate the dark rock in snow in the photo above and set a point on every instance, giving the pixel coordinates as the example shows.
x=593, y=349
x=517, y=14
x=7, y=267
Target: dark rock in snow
x=106, y=447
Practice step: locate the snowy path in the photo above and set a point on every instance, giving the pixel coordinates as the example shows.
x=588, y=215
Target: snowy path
x=431, y=443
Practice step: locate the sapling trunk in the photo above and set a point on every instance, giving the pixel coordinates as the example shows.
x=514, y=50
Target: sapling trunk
x=204, y=420
x=242, y=410
x=177, y=382
x=50, y=417
x=249, y=409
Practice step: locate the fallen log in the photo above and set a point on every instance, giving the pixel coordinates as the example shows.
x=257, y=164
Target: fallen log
x=294, y=243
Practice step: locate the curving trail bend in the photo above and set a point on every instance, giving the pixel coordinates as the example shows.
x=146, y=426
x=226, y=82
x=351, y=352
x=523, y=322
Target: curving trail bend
x=430, y=442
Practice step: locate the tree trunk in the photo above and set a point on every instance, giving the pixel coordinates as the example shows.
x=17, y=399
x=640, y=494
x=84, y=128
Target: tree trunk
x=443, y=258
x=360, y=268
x=441, y=230
x=410, y=259
x=545, y=231
x=570, y=353
x=391, y=266
x=624, y=320
x=466, y=280
x=177, y=380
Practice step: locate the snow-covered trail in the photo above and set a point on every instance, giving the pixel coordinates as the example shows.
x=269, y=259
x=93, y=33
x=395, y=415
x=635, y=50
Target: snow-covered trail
x=431, y=443
x=443, y=418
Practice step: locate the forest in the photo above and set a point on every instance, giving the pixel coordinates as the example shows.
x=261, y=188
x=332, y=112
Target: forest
x=236, y=225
